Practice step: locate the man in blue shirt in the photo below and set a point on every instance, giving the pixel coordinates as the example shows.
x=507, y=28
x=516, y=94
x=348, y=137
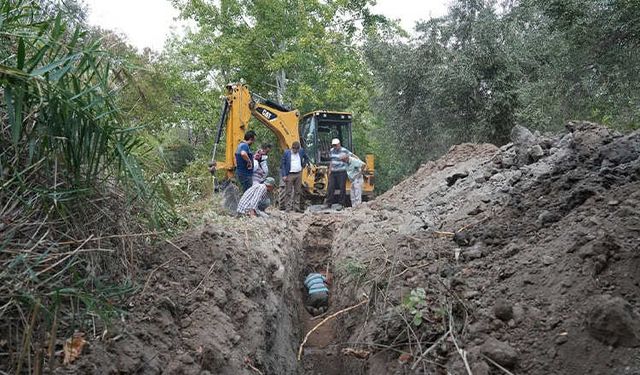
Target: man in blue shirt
x=318, y=294
x=293, y=161
x=337, y=174
x=244, y=161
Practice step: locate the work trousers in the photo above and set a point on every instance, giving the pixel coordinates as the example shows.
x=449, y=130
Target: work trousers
x=337, y=181
x=293, y=190
x=356, y=190
x=245, y=181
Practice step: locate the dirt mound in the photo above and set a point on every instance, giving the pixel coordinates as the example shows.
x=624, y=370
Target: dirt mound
x=212, y=306
x=503, y=256
x=523, y=258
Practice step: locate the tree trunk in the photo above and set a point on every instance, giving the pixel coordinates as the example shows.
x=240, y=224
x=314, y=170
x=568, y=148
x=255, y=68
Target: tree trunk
x=281, y=85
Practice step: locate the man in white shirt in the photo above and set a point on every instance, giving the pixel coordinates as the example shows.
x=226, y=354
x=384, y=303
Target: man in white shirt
x=293, y=161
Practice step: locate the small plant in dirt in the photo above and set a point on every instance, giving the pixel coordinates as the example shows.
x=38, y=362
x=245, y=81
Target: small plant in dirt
x=352, y=269
x=416, y=304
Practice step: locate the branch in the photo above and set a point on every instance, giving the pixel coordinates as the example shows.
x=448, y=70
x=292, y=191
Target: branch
x=306, y=337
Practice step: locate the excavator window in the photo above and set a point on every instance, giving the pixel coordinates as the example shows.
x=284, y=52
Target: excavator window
x=317, y=132
x=308, y=137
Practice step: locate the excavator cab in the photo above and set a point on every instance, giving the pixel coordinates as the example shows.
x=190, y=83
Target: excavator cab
x=317, y=129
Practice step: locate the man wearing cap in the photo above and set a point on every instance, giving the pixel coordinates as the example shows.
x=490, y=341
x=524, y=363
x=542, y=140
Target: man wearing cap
x=337, y=174
x=260, y=165
x=256, y=199
x=293, y=161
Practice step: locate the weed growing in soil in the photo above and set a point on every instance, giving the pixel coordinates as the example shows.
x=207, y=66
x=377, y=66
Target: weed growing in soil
x=352, y=269
x=415, y=303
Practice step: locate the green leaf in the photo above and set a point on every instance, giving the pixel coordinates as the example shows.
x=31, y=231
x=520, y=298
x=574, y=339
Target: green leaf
x=21, y=54
x=53, y=65
x=14, y=100
x=417, y=320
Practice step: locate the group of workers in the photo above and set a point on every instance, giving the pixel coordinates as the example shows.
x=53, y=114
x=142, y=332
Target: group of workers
x=252, y=173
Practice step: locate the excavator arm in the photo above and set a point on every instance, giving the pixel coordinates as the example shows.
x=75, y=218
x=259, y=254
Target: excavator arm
x=238, y=107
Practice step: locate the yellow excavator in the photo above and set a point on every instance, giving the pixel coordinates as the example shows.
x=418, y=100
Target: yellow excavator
x=314, y=131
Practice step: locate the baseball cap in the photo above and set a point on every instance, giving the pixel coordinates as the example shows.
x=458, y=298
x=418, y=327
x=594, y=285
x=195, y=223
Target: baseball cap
x=270, y=181
x=335, y=141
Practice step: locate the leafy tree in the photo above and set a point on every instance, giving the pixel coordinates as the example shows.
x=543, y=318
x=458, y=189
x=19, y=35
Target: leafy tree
x=299, y=52
x=477, y=71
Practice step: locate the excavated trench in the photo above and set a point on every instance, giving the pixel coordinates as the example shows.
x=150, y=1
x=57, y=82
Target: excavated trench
x=321, y=351
x=243, y=310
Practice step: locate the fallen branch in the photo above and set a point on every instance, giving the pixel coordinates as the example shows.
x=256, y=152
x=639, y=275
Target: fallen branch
x=113, y=236
x=203, y=279
x=306, y=337
x=358, y=353
x=497, y=365
x=443, y=234
x=248, y=361
x=152, y=272
x=66, y=257
x=412, y=268
x=424, y=354
x=462, y=352
x=472, y=224
x=319, y=316
x=177, y=247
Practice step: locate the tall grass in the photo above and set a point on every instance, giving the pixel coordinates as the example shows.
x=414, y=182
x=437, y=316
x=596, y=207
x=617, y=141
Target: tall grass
x=73, y=197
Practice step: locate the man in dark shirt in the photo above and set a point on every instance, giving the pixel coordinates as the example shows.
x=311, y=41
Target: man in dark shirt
x=244, y=161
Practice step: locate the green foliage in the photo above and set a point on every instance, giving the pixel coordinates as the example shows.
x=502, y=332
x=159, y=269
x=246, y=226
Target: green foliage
x=190, y=185
x=70, y=175
x=416, y=304
x=296, y=52
x=471, y=75
x=352, y=269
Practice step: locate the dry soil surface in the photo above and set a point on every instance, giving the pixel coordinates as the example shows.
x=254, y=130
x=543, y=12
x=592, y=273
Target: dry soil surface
x=523, y=259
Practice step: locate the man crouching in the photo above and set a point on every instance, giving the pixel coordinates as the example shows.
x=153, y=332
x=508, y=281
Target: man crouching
x=256, y=199
x=318, y=294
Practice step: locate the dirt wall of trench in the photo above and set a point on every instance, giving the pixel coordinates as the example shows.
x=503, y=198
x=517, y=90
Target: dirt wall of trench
x=221, y=304
x=524, y=257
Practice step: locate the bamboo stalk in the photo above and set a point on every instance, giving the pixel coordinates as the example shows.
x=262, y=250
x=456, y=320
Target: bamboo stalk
x=26, y=342
x=52, y=339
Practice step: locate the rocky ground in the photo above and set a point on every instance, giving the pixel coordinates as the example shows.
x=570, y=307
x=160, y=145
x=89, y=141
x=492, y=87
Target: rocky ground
x=522, y=259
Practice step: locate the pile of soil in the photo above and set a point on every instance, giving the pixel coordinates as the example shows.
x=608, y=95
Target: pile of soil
x=522, y=259
x=220, y=303
x=525, y=257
